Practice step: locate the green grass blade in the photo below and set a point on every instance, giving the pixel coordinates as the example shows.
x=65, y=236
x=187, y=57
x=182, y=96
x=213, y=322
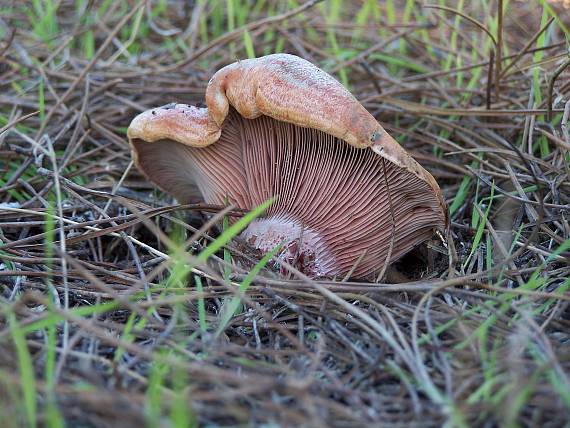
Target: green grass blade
x=248, y=43
x=231, y=307
x=201, y=305
x=233, y=230
x=26, y=369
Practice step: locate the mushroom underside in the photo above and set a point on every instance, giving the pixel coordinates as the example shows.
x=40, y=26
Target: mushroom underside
x=335, y=206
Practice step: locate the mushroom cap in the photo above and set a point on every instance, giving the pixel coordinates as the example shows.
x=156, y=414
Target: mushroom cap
x=286, y=101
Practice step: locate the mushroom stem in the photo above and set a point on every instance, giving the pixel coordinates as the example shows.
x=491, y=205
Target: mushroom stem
x=303, y=247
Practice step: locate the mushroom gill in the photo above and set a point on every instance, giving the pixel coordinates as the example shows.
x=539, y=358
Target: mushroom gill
x=337, y=204
x=333, y=200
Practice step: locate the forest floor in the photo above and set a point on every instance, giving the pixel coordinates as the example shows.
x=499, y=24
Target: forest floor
x=119, y=307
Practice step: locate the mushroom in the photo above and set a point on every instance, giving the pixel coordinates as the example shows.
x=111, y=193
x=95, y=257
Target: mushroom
x=348, y=196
